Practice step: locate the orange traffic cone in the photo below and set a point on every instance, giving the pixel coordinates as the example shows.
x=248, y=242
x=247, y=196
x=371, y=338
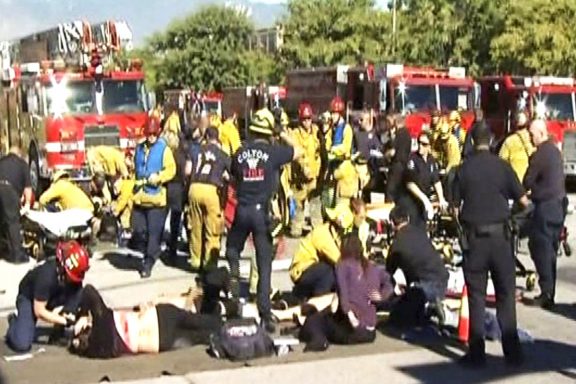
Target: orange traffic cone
x=464, y=320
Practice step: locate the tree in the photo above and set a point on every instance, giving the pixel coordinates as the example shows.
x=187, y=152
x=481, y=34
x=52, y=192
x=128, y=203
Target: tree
x=207, y=50
x=538, y=37
x=328, y=32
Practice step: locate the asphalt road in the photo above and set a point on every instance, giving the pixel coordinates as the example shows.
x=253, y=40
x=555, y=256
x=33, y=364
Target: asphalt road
x=401, y=358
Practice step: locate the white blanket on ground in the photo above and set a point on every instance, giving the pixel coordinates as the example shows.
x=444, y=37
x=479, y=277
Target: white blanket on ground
x=58, y=223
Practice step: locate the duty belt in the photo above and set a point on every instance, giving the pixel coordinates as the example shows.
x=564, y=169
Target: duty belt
x=5, y=182
x=487, y=230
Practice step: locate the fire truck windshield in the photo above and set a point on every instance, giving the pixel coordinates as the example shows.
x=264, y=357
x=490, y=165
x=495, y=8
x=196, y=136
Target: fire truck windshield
x=554, y=106
x=411, y=98
x=453, y=98
x=78, y=97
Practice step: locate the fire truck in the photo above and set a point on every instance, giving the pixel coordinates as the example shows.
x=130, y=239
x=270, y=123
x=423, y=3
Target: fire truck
x=68, y=89
x=243, y=101
x=394, y=88
x=547, y=97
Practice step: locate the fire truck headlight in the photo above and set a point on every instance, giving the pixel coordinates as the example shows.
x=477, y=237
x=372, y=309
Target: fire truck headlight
x=540, y=109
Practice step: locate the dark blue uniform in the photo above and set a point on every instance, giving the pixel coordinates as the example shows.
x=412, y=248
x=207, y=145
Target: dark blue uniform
x=483, y=185
x=425, y=174
x=256, y=168
x=402, y=145
x=40, y=284
x=545, y=179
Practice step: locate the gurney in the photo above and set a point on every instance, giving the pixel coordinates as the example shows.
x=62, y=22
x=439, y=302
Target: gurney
x=42, y=230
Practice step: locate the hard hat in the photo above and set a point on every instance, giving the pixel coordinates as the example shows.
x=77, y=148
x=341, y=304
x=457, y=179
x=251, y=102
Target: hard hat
x=262, y=122
x=152, y=126
x=73, y=259
x=455, y=116
x=341, y=215
x=60, y=175
x=304, y=111
x=337, y=105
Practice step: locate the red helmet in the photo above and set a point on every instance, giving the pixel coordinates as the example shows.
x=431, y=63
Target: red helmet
x=73, y=259
x=337, y=105
x=152, y=126
x=304, y=111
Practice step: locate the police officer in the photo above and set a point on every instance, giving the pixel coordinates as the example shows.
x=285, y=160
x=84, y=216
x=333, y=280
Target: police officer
x=155, y=166
x=421, y=176
x=209, y=170
x=484, y=185
x=256, y=168
x=545, y=181
x=14, y=186
x=398, y=152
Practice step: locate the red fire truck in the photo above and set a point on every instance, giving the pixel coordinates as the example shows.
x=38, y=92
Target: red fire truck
x=65, y=90
x=547, y=97
x=394, y=88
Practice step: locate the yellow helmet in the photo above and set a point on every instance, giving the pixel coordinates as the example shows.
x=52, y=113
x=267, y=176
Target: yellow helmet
x=444, y=128
x=341, y=215
x=262, y=122
x=455, y=117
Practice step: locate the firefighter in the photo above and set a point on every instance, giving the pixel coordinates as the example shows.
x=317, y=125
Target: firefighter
x=256, y=168
x=229, y=137
x=455, y=120
x=172, y=123
x=449, y=151
x=351, y=176
x=64, y=194
x=155, y=166
x=107, y=160
x=312, y=268
x=517, y=148
x=305, y=171
x=209, y=171
x=339, y=143
x=50, y=292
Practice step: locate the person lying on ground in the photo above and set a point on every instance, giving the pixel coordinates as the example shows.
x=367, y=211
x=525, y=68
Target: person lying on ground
x=100, y=332
x=361, y=286
x=414, y=254
x=49, y=292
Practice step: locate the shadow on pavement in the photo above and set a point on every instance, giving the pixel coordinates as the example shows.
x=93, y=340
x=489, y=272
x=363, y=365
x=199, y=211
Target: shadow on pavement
x=566, y=310
x=179, y=262
x=122, y=261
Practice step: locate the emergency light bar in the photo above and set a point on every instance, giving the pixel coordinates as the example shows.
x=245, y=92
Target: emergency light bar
x=394, y=70
x=552, y=80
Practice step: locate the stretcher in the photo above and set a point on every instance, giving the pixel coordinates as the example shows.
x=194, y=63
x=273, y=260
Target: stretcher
x=42, y=230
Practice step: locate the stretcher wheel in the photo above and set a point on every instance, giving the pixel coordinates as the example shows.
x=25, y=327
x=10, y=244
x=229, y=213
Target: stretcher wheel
x=530, y=281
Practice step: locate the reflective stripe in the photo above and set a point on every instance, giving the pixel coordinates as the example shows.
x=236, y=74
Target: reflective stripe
x=128, y=143
x=57, y=146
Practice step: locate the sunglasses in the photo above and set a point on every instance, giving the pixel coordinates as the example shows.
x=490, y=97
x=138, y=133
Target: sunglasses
x=424, y=143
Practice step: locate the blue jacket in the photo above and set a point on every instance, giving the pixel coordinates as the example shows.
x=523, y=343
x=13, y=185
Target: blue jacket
x=148, y=163
x=338, y=133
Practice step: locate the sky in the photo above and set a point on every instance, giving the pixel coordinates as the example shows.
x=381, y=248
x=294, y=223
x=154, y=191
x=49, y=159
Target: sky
x=23, y=17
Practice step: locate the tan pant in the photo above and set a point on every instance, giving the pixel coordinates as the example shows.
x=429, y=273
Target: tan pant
x=205, y=221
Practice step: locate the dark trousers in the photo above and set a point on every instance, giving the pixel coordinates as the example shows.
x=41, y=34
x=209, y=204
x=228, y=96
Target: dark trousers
x=252, y=220
x=22, y=328
x=491, y=253
x=317, y=280
x=393, y=184
x=10, y=221
x=324, y=326
x=176, y=206
x=414, y=208
x=147, y=230
x=544, y=240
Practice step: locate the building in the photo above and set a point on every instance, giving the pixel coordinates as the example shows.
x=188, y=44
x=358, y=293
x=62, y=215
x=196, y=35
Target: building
x=269, y=40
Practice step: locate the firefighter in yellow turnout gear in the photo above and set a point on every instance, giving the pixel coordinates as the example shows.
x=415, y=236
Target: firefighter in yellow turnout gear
x=517, y=148
x=64, y=194
x=351, y=176
x=305, y=171
x=107, y=160
x=448, y=155
x=209, y=170
x=229, y=136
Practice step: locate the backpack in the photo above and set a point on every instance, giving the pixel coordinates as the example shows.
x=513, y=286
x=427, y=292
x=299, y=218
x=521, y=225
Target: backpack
x=241, y=340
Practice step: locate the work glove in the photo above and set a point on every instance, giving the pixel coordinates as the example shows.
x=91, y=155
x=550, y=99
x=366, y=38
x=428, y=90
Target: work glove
x=429, y=210
x=154, y=179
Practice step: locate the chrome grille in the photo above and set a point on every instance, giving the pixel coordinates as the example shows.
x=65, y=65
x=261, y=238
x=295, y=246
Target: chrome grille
x=101, y=135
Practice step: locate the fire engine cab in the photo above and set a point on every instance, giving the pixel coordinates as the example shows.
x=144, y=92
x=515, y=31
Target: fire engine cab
x=546, y=97
x=417, y=91
x=66, y=90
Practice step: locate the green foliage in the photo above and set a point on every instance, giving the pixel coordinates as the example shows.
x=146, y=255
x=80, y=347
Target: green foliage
x=328, y=32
